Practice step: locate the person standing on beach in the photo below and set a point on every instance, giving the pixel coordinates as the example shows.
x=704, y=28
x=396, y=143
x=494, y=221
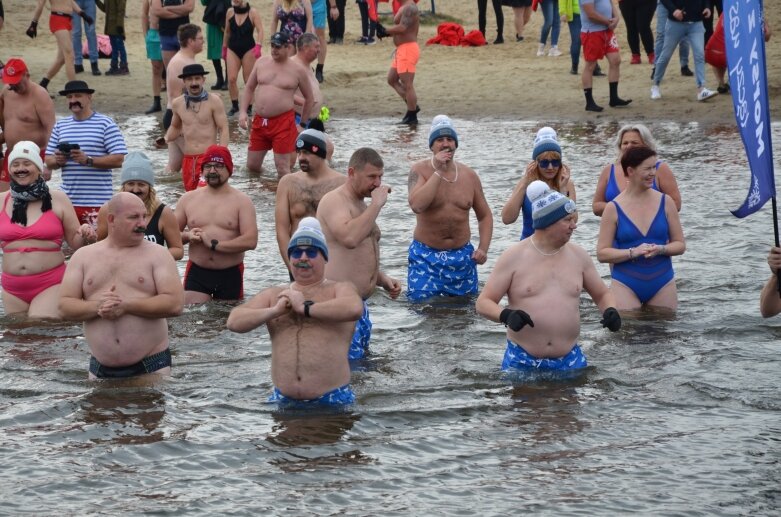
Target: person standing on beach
x=598, y=20
x=149, y=26
x=199, y=116
x=770, y=299
x=350, y=225
x=542, y=277
x=405, y=58
x=171, y=15
x=26, y=113
x=123, y=288
x=88, y=7
x=442, y=192
x=310, y=322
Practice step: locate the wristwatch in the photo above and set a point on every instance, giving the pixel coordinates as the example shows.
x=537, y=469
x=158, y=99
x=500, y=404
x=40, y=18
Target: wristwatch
x=89, y=161
x=215, y=242
x=307, y=304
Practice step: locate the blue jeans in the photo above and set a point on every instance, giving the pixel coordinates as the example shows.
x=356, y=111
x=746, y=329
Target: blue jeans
x=550, y=12
x=88, y=6
x=674, y=34
x=661, y=24
x=574, y=36
x=118, y=52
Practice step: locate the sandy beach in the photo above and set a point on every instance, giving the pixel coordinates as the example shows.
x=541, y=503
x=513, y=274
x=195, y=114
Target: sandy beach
x=503, y=81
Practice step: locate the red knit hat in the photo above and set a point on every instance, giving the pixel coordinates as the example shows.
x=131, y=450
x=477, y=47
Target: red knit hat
x=218, y=154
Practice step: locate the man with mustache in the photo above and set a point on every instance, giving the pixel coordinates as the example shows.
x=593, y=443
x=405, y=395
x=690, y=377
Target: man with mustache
x=26, y=113
x=123, y=288
x=221, y=226
x=350, y=225
x=442, y=192
x=198, y=116
x=86, y=146
x=310, y=322
x=299, y=193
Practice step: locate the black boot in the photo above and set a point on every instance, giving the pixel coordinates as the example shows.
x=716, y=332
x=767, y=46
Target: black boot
x=590, y=104
x=95, y=69
x=234, y=108
x=156, y=106
x=615, y=100
x=79, y=68
x=319, y=73
x=410, y=119
x=218, y=72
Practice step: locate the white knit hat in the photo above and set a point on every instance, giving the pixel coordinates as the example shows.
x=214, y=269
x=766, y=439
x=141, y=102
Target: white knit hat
x=28, y=151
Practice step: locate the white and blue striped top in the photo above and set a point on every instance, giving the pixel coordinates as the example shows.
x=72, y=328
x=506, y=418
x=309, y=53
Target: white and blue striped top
x=97, y=136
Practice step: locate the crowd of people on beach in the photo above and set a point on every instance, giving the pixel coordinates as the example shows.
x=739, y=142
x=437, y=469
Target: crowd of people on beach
x=325, y=221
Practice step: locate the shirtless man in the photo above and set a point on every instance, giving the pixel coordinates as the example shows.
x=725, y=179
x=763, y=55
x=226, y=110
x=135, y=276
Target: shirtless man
x=149, y=27
x=310, y=322
x=60, y=24
x=299, y=193
x=402, y=71
x=308, y=46
x=770, y=299
x=198, y=116
x=123, y=288
x=442, y=260
x=26, y=113
x=272, y=85
x=542, y=277
x=191, y=41
x=222, y=226
x=171, y=15
x=350, y=225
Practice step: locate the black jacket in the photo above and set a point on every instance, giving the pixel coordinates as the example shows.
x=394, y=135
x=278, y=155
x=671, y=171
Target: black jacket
x=692, y=9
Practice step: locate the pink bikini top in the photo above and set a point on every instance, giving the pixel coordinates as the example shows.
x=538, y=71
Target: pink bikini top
x=48, y=227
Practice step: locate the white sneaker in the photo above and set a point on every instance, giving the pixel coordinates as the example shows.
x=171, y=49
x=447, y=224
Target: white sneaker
x=554, y=52
x=541, y=50
x=706, y=94
x=655, y=93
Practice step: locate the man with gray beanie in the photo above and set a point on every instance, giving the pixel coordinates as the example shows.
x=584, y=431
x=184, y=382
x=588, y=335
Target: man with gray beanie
x=542, y=277
x=299, y=193
x=442, y=260
x=310, y=322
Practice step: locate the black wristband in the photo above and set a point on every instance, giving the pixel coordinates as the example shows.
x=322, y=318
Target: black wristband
x=307, y=305
x=215, y=242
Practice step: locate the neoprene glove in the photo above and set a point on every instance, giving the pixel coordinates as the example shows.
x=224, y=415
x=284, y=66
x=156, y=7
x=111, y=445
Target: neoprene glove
x=516, y=319
x=87, y=18
x=381, y=32
x=32, y=30
x=611, y=319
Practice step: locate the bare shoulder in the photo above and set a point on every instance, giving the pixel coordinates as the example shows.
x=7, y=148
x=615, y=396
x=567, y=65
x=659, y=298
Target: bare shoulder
x=177, y=103
x=242, y=198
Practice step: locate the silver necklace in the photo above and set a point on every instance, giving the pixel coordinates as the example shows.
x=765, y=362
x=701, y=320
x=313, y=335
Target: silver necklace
x=542, y=252
x=442, y=177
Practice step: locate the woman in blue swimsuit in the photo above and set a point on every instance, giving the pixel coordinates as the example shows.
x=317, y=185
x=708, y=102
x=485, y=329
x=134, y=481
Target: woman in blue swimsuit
x=612, y=182
x=639, y=232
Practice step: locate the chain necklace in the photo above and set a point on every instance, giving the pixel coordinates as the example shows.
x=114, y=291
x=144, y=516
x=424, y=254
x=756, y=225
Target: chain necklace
x=442, y=177
x=542, y=252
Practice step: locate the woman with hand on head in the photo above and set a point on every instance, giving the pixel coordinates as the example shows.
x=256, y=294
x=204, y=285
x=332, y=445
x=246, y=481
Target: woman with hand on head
x=33, y=224
x=612, y=181
x=639, y=232
x=548, y=167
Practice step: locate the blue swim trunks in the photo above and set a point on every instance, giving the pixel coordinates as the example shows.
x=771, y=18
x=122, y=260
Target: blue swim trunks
x=516, y=358
x=363, y=333
x=319, y=9
x=433, y=272
x=343, y=396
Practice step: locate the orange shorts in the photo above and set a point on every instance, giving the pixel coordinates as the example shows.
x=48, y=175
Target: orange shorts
x=5, y=175
x=191, y=171
x=60, y=22
x=278, y=133
x=597, y=45
x=87, y=215
x=405, y=57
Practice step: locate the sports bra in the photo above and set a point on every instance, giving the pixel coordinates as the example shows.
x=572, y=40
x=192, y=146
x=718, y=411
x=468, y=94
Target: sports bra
x=48, y=227
x=612, y=190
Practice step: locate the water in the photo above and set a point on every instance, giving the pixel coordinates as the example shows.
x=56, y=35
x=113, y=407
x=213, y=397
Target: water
x=672, y=417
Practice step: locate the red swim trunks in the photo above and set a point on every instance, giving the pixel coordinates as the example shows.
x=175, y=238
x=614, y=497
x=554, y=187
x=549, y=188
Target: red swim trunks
x=5, y=175
x=597, y=45
x=406, y=57
x=278, y=133
x=191, y=171
x=60, y=22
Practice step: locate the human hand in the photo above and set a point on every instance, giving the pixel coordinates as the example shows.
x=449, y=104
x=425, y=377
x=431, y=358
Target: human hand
x=516, y=319
x=480, y=256
x=564, y=178
x=60, y=158
x=334, y=12
x=706, y=13
x=444, y=156
x=564, y=18
x=613, y=23
x=611, y=319
x=196, y=235
x=381, y=31
x=774, y=260
x=32, y=30
x=380, y=195
x=393, y=286
x=243, y=120
x=283, y=303
x=78, y=156
x=678, y=14
x=87, y=18
x=256, y=51
x=109, y=304
x=296, y=300
x=88, y=234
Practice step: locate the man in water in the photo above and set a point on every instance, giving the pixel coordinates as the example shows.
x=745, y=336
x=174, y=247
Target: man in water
x=123, y=288
x=310, y=322
x=199, y=116
x=299, y=193
x=542, y=277
x=350, y=225
x=442, y=260
x=405, y=58
x=222, y=226
x=770, y=299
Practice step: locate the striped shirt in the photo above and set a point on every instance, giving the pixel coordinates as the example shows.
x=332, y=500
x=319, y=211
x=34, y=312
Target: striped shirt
x=97, y=136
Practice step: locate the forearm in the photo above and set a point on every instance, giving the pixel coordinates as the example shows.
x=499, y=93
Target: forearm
x=338, y=309
x=360, y=228
x=240, y=244
x=159, y=306
x=224, y=135
x=421, y=199
x=485, y=230
x=244, y=319
x=616, y=255
x=770, y=299
x=76, y=309
x=283, y=239
x=110, y=161
x=488, y=308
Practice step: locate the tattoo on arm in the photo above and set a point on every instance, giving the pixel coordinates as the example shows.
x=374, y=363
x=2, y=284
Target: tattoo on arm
x=412, y=180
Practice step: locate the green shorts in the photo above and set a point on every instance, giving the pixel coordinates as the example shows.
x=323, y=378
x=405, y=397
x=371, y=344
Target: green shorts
x=153, y=51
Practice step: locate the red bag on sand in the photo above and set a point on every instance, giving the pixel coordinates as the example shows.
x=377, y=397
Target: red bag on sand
x=104, y=47
x=474, y=38
x=448, y=34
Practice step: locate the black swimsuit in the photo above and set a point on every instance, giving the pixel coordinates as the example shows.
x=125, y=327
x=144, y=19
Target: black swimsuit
x=241, y=40
x=153, y=233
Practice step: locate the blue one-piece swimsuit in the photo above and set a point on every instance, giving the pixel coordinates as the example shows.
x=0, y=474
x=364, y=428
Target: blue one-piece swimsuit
x=644, y=276
x=612, y=190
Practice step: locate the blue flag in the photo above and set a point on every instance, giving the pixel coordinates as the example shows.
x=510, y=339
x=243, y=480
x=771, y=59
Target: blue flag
x=745, y=42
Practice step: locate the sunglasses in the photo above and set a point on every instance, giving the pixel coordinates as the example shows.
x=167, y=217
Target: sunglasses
x=311, y=253
x=549, y=163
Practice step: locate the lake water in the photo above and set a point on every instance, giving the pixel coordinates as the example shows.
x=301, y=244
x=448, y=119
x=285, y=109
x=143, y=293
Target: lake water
x=674, y=417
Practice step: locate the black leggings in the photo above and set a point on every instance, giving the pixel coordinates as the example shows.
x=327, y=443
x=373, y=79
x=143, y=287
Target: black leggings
x=481, y=9
x=718, y=7
x=638, y=15
x=367, y=26
x=336, y=27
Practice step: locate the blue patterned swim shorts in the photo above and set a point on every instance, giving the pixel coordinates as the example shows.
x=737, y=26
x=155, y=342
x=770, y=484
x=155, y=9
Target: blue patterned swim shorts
x=363, y=333
x=343, y=396
x=516, y=358
x=433, y=272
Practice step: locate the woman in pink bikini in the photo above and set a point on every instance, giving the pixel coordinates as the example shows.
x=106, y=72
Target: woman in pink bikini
x=33, y=224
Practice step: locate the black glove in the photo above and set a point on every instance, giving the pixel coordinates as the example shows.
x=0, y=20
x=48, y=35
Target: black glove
x=87, y=18
x=611, y=319
x=32, y=30
x=516, y=319
x=380, y=31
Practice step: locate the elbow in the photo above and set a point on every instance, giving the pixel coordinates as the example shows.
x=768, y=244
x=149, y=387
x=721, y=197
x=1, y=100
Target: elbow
x=482, y=306
x=176, y=253
x=601, y=256
x=598, y=208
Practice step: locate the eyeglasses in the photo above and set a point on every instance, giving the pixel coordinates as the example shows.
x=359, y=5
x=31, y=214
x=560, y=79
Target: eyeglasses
x=277, y=46
x=214, y=167
x=311, y=253
x=544, y=164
